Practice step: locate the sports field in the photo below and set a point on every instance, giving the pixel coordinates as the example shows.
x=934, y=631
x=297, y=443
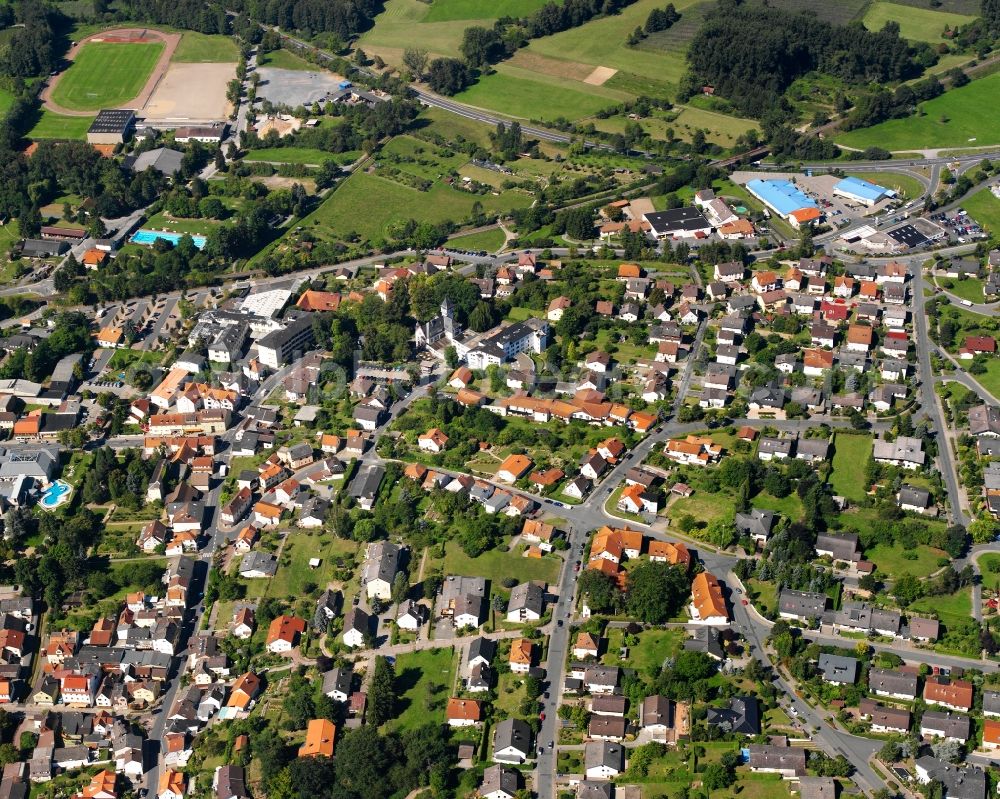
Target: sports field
x=200, y=48
x=962, y=117
x=104, y=75
x=920, y=24
x=387, y=202
x=282, y=59
x=55, y=126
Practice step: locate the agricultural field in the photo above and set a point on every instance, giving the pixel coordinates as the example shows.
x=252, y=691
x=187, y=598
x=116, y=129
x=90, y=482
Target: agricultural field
x=201, y=48
x=839, y=13
x=602, y=43
x=445, y=10
x=56, y=126
x=684, y=120
x=985, y=209
x=489, y=240
x=300, y=155
x=520, y=93
x=6, y=101
x=958, y=118
x=918, y=24
x=404, y=23
x=387, y=202
x=105, y=75
x=905, y=185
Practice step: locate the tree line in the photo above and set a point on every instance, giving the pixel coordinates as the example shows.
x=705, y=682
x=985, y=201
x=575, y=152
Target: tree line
x=751, y=54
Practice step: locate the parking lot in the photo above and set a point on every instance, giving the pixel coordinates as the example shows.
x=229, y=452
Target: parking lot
x=959, y=226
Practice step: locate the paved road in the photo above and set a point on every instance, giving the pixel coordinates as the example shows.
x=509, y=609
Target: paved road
x=929, y=401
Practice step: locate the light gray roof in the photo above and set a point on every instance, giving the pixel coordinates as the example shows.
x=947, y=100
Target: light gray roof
x=604, y=753
x=500, y=778
x=263, y=562
x=382, y=562
x=161, y=159
x=960, y=782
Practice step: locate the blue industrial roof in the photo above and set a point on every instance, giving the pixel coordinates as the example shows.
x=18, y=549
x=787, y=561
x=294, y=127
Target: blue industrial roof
x=782, y=195
x=862, y=188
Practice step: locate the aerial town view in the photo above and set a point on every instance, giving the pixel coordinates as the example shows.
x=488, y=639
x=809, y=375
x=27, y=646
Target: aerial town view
x=499, y=399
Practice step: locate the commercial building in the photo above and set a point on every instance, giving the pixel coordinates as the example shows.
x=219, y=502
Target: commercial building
x=786, y=200
x=861, y=191
x=276, y=348
x=683, y=223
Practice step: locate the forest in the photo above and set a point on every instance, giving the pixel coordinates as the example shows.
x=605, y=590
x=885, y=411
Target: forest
x=751, y=54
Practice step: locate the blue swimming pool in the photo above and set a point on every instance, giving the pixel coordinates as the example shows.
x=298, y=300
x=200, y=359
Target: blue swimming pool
x=144, y=236
x=56, y=494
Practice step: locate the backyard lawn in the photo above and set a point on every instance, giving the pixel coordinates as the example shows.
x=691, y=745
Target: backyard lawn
x=496, y=564
x=850, y=454
x=291, y=579
x=424, y=681
x=895, y=560
x=654, y=647
x=957, y=118
x=991, y=579
x=950, y=609
x=106, y=75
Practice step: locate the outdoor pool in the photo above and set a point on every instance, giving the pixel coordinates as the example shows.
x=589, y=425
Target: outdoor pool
x=56, y=494
x=144, y=236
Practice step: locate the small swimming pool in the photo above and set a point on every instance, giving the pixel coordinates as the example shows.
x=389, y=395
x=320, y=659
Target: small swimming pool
x=144, y=236
x=56, y=494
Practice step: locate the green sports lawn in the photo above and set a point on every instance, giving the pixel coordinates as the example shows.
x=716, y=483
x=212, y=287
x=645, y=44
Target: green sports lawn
x=920, y=24
x=958, y=118
x=202, y=48
x=385, y=202
x=282, y=59
x=105, y=75
x=56, y=126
